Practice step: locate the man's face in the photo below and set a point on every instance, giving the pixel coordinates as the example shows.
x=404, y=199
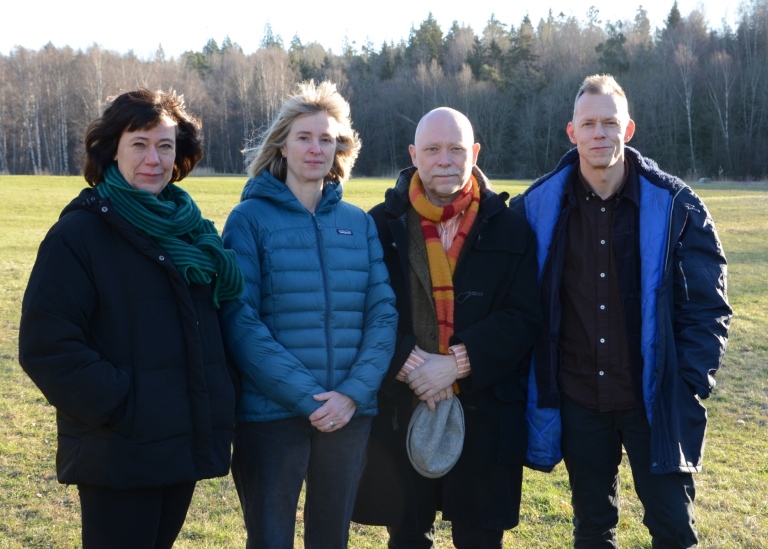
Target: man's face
x=599, y=129
x=444, y=153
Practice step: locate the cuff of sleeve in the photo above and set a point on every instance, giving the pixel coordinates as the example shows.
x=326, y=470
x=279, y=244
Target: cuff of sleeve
x=462, y=359
x=411, y=363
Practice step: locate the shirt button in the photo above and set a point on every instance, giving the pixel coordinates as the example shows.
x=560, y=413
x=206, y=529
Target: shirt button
x=602, y=307
x=161, y=258
x=602, y=373
x=602, y=209
x=602, y=275
x=602, y=340
x=602, y=242
x=104, y=209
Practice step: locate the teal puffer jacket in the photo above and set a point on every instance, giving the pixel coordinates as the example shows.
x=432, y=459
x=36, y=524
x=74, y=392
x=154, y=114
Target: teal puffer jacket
x=317, y=313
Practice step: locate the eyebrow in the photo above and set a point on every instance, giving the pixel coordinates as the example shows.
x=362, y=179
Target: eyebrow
x=144, y=137
x=307, y=132
x=597, y=117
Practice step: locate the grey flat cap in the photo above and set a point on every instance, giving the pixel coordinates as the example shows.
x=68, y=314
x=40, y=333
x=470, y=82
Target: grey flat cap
x=435, y=439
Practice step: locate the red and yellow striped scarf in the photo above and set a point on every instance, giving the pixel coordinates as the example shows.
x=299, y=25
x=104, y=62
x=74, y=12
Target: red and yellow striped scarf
x=442, y=264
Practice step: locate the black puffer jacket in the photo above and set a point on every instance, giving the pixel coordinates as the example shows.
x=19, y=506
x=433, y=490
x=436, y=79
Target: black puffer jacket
x=130, y=356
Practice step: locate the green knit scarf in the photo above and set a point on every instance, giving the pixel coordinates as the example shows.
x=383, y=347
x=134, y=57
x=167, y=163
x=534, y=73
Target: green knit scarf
x=168, y=217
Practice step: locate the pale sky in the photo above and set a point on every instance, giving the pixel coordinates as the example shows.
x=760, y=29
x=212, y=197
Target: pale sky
x=187, y=25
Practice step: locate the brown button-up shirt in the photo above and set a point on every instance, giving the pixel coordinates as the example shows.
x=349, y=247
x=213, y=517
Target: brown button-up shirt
x=595, y=369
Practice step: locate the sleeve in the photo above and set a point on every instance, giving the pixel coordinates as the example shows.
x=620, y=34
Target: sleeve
x=504, y=338
x=462, y=360
x=379, y=329
x=260, y=359
x=412, y=362
x=55, y=348
x=701, y=313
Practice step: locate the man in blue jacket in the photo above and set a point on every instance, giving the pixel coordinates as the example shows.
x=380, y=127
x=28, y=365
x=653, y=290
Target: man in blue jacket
x=633, y=284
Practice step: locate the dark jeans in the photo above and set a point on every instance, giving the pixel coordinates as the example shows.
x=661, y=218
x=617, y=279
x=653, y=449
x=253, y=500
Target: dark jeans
x=269, y=463
x=591, y=446
x=133, y=519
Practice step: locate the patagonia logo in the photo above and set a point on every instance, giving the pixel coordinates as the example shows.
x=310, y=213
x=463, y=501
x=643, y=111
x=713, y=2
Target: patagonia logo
x=344, y=231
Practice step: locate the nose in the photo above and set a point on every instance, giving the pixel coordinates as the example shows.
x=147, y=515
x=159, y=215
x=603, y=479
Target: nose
x=599, y=130
x=314, y=147
x=444, y=158
x=152, y=158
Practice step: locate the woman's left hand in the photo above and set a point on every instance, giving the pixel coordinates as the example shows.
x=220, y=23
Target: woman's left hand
x=334, y=414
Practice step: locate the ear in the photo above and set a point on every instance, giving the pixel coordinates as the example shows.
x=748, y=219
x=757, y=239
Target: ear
x=475, y=152
x=412, y=150
x=630, y=131
x=570, y=132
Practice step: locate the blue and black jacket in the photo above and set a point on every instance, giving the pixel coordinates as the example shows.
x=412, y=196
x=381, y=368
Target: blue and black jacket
x=684, y=313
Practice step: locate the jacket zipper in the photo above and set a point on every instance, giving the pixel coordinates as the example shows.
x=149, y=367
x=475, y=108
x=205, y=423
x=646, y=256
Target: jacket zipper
x=669, y=230
x=685, y=281
x=318, y=236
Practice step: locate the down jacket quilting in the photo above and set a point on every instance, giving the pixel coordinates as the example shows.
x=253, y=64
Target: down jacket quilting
x=317, y=313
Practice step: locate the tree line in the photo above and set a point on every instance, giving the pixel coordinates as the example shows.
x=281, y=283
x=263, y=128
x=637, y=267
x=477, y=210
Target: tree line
x=698, y=95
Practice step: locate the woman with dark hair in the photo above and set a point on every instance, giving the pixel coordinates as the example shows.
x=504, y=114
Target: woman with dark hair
x=314, y=331
x=120, y=331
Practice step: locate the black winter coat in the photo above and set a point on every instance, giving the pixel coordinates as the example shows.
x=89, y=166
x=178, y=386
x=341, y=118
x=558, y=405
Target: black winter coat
x=131, y=357
x=497, y=317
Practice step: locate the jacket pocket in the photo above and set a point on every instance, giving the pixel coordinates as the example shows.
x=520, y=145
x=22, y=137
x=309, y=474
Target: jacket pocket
x=121, y=419
x=162, y=405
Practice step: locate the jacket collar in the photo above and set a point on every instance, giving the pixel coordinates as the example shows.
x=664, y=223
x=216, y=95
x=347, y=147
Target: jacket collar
x=396, y=198
x=630, y=190
x=270, y=188
x=644, y=167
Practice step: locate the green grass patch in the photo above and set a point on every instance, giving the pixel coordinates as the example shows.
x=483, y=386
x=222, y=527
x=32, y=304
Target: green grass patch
x=732, y=501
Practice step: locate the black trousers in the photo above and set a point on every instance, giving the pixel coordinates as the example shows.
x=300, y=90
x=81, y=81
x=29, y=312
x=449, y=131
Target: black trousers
x=419, y=533
x=591, y=446
x=148, y=518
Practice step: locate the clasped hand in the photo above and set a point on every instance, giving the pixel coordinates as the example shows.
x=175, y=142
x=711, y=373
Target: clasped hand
x=335, y=413
x=433, y=380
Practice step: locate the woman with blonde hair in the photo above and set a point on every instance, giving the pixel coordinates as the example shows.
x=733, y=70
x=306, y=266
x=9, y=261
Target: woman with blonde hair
x=314, y=331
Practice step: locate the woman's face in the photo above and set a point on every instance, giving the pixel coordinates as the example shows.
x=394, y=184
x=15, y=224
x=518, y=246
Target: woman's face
x=146, y=157
x=310, y=148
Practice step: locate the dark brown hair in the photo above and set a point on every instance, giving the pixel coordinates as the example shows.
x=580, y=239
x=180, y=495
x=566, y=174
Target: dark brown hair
x=141, y=110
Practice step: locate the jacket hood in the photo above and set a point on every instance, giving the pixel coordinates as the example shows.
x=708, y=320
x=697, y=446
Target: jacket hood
x=268, y=187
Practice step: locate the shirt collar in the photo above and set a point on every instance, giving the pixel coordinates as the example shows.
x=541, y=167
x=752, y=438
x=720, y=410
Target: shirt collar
x=630, y=188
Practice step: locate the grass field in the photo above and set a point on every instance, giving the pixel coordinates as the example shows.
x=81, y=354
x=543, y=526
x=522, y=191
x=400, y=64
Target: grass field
x=732, y=496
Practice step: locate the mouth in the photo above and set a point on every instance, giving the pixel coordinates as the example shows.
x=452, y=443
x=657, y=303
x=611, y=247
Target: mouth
x=445, y=174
